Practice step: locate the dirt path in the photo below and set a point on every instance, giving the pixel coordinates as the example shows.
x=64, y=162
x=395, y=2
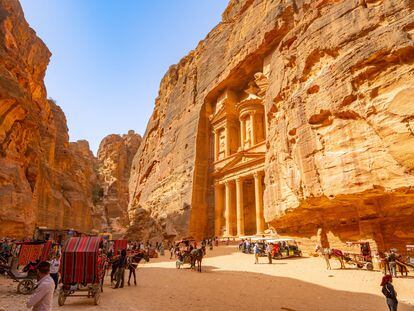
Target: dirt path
x=231, y=281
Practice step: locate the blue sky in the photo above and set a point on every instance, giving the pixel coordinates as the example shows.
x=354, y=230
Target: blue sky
x=109, y=56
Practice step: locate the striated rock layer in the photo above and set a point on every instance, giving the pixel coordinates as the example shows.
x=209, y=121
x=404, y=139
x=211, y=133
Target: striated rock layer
x=337, y=80
x=44, y=179
x=115, y=156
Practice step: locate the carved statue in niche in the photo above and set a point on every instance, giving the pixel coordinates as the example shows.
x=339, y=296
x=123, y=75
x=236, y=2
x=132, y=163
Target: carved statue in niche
x=222, y=144
x=248, y=135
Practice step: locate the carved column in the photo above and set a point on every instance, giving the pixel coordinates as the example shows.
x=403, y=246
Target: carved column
x=258, y=187
x=218, y=194
x=242, y=132
x=239, y=206
x=253, y=125
x=228, y=208
x=227, y=131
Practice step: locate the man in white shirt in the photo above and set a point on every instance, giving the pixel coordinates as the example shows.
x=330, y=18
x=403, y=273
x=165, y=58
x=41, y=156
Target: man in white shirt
x=41, y=300
x=54, y=269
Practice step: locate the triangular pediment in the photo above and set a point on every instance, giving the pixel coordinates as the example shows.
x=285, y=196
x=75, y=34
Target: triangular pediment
x=243, y=158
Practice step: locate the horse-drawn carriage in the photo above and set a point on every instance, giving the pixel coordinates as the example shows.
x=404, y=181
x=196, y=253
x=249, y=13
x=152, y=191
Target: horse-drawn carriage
x=190, y=255
x=82, y=269
x=26, y=255
x=183, y=255
x=361, y=260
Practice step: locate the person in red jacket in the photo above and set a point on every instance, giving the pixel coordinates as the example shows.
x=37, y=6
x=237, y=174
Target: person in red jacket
x=275, y=249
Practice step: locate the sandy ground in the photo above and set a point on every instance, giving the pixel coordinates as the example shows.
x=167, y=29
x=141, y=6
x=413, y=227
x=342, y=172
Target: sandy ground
x=231, y=281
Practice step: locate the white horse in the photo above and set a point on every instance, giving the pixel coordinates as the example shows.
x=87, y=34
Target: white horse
x=327, y=253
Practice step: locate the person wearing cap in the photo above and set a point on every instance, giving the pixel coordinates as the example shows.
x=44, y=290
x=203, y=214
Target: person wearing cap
x=41, y=300
x=389, y=292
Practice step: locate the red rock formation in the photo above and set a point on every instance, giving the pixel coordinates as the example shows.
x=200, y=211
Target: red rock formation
x=335, y=78
x=44, y=179
x=115, y=156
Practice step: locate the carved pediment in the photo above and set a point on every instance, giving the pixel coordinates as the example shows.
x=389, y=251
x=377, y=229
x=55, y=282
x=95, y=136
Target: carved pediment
x=242, y=159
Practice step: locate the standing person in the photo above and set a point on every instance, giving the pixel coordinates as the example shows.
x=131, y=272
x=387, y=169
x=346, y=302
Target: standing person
x=269, y=250
x=54, y=269
x=389, y=292
x=247, y=247
x=256, y=253
x=172, y=251
x=132, y=266
x=121, y=270
x=42, y=298
x=392, y=263
x=275, y=250
x=162, y=251
x=241, y=246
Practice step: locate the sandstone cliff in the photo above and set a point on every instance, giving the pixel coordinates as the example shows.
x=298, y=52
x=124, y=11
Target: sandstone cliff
x=44, y=180
x=339, y=114
x=115, y=156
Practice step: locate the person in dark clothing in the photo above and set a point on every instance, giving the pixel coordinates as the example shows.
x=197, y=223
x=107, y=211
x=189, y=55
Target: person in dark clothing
x=389, y=292
x=121, y=270
x=392, y=263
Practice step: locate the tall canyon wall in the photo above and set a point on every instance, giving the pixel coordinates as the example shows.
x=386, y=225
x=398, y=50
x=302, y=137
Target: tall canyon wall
x=41, y=181
x=115, y=156
x=45, y=180
x=339, y=122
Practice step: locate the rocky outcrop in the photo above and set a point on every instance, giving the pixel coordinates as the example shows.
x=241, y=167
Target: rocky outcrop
x=44, y=179
x=339, y=114
x=115, y=156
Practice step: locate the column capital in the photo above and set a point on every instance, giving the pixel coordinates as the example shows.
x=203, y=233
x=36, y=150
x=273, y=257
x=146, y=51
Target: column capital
x=258, y=174
x=239, y=179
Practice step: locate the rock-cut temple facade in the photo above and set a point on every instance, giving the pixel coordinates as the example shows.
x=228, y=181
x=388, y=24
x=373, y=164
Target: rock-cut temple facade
x=290, y=116
x=237, y=159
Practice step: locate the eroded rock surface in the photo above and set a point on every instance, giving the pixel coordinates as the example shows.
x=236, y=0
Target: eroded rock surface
x=44, y=179
x=339, y=133
x=115, y=156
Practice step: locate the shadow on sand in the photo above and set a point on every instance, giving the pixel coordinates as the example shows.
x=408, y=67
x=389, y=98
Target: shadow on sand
x=215, y=289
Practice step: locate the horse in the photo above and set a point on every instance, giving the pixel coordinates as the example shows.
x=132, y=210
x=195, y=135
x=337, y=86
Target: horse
x=133, y=264
x=327, y=253
x=196, y=256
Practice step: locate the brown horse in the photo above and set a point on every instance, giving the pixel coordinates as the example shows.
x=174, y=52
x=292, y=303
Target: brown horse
x=133, y=262
x=196, y=256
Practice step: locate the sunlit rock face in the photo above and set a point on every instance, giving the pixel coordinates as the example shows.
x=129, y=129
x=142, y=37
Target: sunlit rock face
x=336, y=82
x=115, y=156
x=44, y=179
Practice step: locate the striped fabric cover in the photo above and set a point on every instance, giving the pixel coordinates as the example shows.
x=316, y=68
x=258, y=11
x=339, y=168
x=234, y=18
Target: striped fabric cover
x=80, y=260
x=46, y=251
x=29, y=252
x=120, y=245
